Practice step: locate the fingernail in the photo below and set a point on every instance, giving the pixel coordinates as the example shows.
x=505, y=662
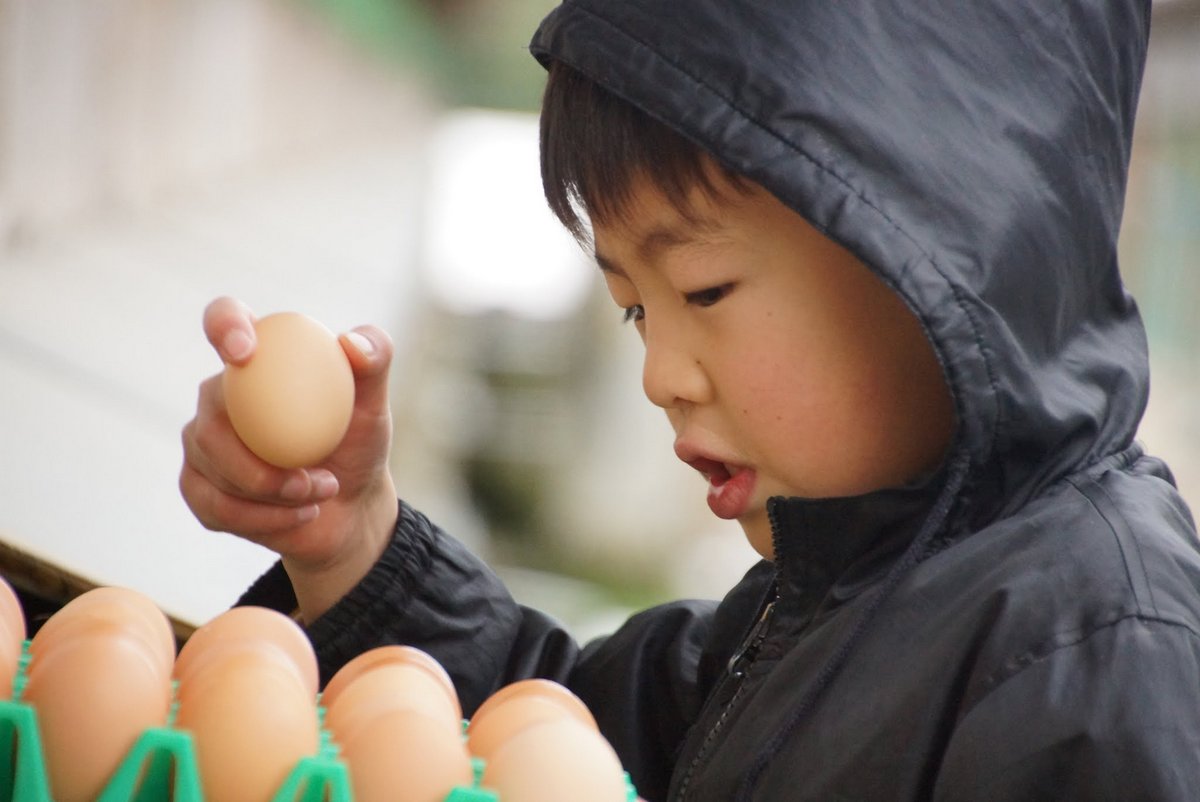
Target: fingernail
x=360, y=342
x=309, y=513
x=237, y=344
x=325, y=485
x=294, y=488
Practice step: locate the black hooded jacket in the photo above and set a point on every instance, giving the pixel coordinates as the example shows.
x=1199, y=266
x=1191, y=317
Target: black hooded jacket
x=1025, y=625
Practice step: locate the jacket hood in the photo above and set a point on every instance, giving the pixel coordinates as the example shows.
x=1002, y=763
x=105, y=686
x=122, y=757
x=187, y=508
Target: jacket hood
x=973, y=155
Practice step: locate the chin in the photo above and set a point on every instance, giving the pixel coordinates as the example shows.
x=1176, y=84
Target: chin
x=758, y=534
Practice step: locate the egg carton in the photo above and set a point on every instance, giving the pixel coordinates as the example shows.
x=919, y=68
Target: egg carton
x=161, y=766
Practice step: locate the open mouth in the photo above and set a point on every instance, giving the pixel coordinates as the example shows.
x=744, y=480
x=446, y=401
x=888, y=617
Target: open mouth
x=717, y=473
x=730, y=487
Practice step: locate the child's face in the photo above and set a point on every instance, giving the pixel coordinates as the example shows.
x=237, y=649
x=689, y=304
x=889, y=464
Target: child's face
x=785, y=366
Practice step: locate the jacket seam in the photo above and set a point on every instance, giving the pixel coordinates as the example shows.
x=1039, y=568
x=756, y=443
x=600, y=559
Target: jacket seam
x=1102, y=503
x=1030, y=660
x=1071, y=639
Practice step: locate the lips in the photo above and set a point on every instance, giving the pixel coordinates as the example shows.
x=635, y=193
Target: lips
x=717, y=473
x=730, y=486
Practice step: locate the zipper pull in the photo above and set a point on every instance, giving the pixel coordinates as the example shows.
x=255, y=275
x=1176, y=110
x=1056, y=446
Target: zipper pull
x=744, y=656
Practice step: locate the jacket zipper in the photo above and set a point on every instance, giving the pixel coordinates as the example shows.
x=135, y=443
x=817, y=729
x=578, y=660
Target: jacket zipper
x=738, y=665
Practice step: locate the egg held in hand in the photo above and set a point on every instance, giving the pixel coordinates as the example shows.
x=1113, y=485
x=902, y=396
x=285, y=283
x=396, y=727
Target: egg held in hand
x=291, y=404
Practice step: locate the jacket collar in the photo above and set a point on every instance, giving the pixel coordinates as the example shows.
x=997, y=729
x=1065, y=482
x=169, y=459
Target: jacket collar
x=834, y=548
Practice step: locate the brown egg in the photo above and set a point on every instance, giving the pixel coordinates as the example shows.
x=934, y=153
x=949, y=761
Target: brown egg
x=10, y=664
x=94, y=694
x=556, y=760
x=251, y=721
x=11, y=614
x=389, y=687
x=519, y=705
x=387, y=655
x=12, y=637
x=403, y=756
x=239, y=626
x=292, y=402
x=132, y=611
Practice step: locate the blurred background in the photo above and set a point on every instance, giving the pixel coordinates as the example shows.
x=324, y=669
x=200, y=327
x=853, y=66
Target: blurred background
x=376, y=161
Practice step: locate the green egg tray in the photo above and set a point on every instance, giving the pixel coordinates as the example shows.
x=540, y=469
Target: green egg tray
x=161, y=766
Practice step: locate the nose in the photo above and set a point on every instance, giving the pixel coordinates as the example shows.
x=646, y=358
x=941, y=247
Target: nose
x=672, y=374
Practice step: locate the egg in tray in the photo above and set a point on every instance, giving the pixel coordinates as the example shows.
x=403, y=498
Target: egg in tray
x=103, y=710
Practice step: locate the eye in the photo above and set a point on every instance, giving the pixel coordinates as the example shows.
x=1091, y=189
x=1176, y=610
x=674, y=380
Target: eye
x=632, y=314
x=708, y=297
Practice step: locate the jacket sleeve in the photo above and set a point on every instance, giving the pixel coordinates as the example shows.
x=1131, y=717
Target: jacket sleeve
x=429, y=591
x=1113, y=714
x=644, y=682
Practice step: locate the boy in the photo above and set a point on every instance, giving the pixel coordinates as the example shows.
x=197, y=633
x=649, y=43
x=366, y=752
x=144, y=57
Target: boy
x=871, y=252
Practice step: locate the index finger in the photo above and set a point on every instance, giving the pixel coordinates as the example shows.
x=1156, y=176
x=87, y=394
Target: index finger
x=229, y=326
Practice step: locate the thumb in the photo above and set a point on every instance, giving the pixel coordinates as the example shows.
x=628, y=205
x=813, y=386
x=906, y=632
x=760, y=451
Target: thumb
x=369, y=350
x=229, y=326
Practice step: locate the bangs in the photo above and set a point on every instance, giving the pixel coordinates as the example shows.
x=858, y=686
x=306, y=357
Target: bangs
x=594, y=145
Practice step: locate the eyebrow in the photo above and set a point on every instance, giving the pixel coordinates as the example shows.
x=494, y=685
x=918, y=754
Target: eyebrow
x=606, y=265
x=657, y=240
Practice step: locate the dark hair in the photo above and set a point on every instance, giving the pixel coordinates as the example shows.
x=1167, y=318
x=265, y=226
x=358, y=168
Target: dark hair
x=594, y=145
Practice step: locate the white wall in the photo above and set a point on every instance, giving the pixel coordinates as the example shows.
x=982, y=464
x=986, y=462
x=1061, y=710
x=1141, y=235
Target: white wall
x=155, y=154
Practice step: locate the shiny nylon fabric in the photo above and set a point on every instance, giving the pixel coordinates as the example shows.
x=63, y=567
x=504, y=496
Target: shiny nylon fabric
x=974, y=155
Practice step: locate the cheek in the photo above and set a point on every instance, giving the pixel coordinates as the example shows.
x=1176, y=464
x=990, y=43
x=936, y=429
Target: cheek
x=771, y=402
x=802, y=420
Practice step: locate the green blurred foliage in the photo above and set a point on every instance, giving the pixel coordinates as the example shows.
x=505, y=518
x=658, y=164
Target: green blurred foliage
x=473, y=52
x=1162, y=238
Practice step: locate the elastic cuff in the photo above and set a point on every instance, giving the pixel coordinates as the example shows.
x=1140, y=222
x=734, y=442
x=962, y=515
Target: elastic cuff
x=361, y=614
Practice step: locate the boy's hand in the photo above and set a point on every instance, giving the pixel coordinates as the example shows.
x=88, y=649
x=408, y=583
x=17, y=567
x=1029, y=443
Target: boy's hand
x=329, y=522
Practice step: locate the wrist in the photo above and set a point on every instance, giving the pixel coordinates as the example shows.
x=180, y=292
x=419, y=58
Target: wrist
x=364, y=527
